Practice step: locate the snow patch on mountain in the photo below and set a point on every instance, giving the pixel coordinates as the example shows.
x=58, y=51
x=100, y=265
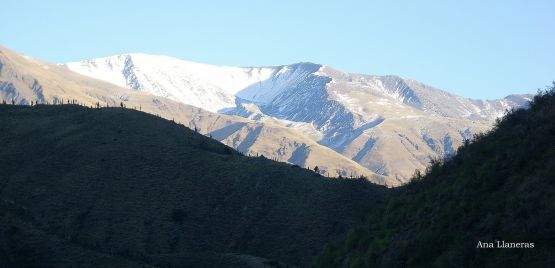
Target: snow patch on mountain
x=206, y=86
x=389, y=124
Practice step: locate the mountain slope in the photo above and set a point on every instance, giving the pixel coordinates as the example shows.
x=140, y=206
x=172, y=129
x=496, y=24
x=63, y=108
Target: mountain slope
x=24, y=79
x=500, y=188
x=388, y=124
x=137, y=188
x=209, y=87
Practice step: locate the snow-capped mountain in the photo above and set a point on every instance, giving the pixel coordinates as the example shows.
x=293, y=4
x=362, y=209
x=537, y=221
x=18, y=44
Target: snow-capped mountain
x=388, y=124
x=24, y=80
x=212, y=88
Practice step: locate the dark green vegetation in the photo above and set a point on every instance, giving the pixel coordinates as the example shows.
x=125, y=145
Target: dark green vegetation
x=499, y=187
x=119, y=188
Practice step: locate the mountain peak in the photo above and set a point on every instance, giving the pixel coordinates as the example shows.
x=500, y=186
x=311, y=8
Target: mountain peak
x=364, y=124
x=346, y=112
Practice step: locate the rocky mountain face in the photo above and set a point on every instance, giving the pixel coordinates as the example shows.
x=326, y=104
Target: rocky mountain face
x=25, y=80
x=387, y=124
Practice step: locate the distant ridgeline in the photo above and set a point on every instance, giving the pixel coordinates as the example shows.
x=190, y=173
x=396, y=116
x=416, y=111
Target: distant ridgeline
x=490, y=205
x=114, y=187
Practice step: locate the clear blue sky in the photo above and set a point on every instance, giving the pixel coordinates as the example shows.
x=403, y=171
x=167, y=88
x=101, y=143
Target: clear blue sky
x=478, y=49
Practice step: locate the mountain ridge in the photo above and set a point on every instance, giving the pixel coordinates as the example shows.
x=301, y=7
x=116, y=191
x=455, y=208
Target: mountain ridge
x=27, y=80
x=373, y=128
x=342, y=111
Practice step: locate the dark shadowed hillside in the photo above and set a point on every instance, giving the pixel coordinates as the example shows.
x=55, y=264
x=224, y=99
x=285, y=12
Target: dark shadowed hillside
x=119, y=188
x=498, y=188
